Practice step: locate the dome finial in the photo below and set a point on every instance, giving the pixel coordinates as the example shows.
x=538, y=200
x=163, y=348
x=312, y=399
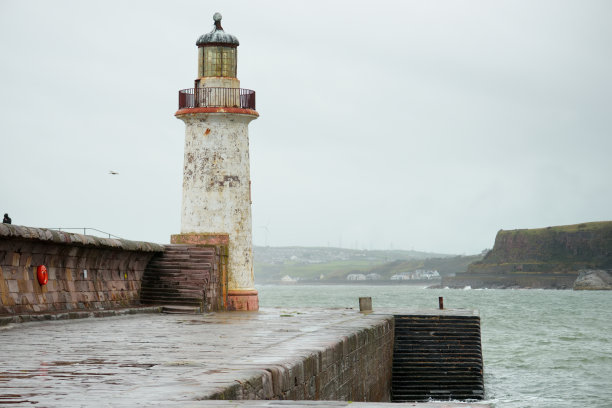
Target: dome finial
x=217, y=18
x=217, y=36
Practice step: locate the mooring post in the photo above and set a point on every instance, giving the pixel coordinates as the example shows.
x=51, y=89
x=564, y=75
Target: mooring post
x=441, y=302
x=365, y=304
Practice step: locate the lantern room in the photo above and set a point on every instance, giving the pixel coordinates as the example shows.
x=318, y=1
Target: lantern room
x=217, y=85
x=217, y=57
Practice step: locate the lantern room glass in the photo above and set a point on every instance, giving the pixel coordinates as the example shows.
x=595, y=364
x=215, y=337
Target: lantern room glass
x=217, y=61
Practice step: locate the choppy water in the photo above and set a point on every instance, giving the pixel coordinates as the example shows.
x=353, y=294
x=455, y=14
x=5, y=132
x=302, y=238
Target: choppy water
x=541, y=348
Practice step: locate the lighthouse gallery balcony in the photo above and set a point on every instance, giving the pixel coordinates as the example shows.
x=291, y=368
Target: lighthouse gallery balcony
x=216, y=98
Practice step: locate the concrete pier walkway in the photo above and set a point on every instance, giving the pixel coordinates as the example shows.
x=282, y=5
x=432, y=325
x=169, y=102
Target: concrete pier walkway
x=177, y=360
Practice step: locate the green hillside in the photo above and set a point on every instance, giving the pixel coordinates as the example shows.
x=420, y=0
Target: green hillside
x=447, y=266
x=334, y=264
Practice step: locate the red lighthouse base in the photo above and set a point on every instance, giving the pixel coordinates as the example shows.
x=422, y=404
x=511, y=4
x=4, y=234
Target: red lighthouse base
x=242, y=300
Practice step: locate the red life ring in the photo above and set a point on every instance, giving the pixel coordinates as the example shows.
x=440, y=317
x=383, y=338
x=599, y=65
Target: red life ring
x=42, y=275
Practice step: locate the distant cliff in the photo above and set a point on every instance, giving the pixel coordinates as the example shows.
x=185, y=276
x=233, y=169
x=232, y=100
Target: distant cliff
x=540, y=258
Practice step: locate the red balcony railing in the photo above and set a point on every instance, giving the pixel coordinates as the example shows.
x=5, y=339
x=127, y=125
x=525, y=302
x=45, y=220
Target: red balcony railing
x=216, y=98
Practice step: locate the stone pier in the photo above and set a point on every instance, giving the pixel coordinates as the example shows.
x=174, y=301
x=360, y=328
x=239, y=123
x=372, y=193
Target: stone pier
x=178, y=360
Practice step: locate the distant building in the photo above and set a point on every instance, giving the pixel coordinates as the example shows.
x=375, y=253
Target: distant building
x=356, y=277
x=426, y=274
x=372, y=276
x=288, y=279
x=419, y=274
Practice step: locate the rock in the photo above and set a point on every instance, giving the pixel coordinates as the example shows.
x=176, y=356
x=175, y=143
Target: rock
x=594, y=279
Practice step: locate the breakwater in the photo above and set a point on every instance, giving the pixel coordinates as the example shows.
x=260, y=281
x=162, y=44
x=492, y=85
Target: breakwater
x=297, y=354
x=157, y=358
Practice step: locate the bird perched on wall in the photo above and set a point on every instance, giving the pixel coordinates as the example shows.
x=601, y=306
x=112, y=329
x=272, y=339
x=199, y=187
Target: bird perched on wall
x=112, y=172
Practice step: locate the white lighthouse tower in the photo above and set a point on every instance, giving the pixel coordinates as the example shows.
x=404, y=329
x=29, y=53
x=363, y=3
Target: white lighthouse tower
x=216, y=205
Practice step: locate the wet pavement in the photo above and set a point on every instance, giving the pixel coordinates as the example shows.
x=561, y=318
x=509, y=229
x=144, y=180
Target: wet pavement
x=156, y=358
x=159, y=359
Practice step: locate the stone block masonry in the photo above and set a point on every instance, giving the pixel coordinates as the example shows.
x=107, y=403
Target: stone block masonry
x=348, y=362
x=173, y=360
x=437, y=356
x=85, y=272
x=180, y=360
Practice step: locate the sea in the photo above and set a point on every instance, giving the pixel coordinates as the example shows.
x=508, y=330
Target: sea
x=541, y=348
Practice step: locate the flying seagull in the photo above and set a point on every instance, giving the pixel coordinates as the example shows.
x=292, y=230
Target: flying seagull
x=112, y=172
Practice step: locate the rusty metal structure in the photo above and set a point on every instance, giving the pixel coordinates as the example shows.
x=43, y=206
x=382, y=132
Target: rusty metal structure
x=216, y=97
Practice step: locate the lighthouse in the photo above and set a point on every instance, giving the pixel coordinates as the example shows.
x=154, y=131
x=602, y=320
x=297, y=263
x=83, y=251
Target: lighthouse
x=216, y=205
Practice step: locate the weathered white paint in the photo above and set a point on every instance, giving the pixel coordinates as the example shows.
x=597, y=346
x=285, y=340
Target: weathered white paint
x=216, y=187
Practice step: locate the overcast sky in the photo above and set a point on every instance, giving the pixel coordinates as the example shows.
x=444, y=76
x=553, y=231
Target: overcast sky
x=425, y=125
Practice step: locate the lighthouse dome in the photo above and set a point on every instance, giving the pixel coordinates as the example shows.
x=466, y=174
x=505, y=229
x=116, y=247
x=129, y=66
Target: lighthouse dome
x=218, y=36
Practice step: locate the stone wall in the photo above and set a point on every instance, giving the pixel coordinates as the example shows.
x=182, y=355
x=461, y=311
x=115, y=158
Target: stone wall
x=85, y=272
x=355, y=368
